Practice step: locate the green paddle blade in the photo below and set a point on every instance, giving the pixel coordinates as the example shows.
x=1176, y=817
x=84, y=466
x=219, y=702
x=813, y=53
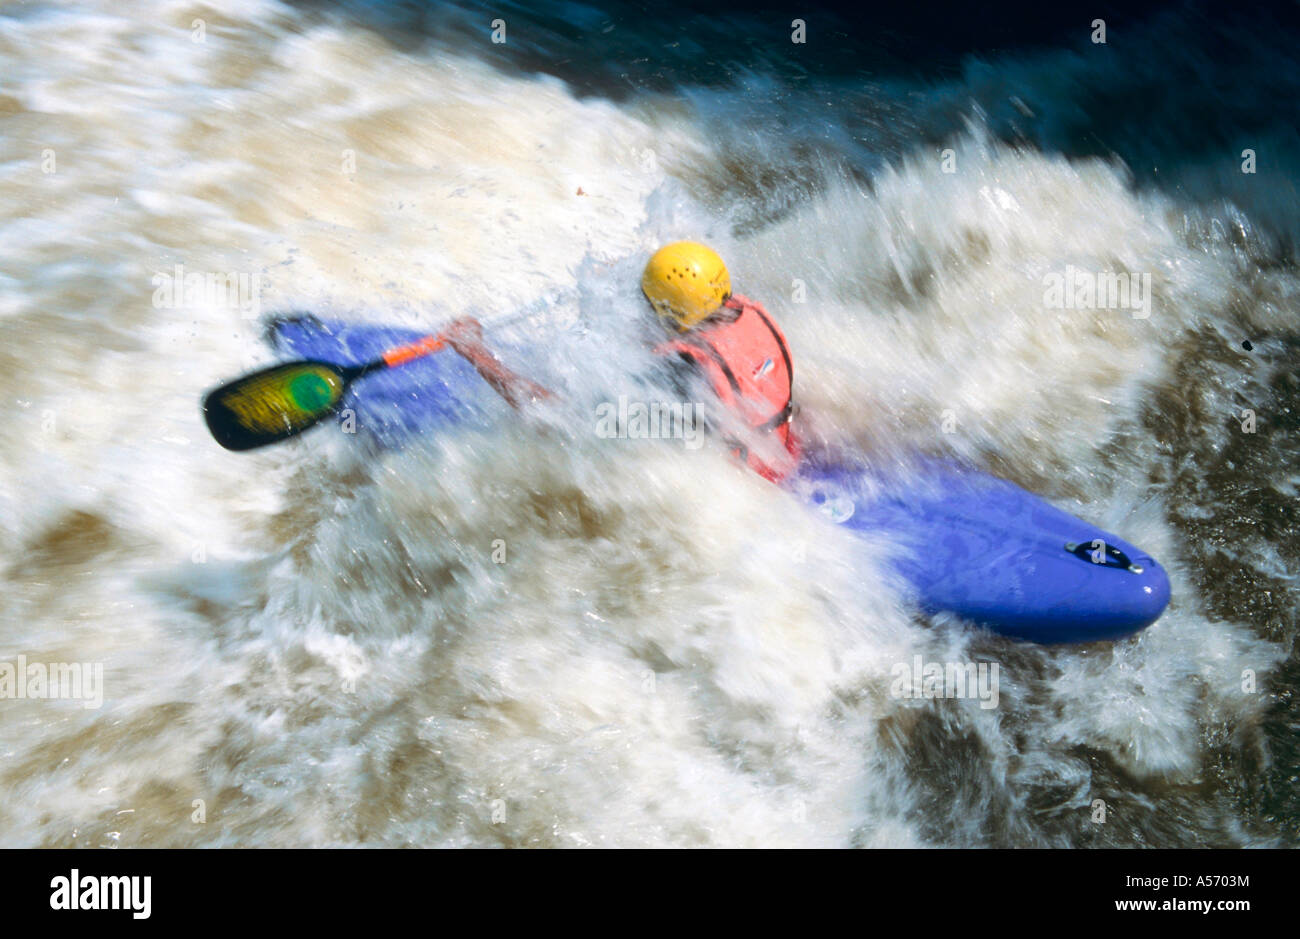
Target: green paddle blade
x=275, y=403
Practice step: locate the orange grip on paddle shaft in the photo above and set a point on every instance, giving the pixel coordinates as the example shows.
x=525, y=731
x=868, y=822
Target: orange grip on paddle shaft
x=413, y=350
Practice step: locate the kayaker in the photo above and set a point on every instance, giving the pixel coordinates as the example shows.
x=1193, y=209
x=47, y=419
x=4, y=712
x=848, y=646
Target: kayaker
x=727, y=339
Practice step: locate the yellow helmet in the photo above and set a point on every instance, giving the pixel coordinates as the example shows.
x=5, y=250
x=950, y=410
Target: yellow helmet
x=685, y=282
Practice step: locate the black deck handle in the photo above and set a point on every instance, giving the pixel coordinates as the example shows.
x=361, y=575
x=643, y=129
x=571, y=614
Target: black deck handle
x=1114, y=557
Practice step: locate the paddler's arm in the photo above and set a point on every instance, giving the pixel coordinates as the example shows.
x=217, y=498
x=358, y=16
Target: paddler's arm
x=465, y=335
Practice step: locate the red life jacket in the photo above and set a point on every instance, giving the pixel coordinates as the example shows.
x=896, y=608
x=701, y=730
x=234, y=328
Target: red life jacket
x=747, y=362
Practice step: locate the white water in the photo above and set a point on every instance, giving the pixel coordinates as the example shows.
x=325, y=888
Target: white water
x=319, y=645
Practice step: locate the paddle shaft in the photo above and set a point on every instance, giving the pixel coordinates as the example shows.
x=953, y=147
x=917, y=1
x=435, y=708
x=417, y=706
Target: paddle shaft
x=427, y=345
x=513, y=387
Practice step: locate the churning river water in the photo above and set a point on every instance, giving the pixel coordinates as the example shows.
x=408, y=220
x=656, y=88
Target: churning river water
x=527, y=635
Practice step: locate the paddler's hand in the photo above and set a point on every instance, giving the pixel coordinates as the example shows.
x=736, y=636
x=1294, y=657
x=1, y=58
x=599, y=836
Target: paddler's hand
x=465, y=335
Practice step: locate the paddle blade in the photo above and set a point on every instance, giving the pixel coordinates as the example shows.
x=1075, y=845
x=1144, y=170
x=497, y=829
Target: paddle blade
x=274, y=403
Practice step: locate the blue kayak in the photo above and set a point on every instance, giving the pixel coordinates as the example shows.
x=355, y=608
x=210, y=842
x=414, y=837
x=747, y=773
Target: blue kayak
x=968, y=543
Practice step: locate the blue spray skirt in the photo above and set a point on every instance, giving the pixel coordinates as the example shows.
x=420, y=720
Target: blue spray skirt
x=967, y=543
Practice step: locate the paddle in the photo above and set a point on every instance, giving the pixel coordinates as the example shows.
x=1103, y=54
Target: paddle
x=284, y=400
